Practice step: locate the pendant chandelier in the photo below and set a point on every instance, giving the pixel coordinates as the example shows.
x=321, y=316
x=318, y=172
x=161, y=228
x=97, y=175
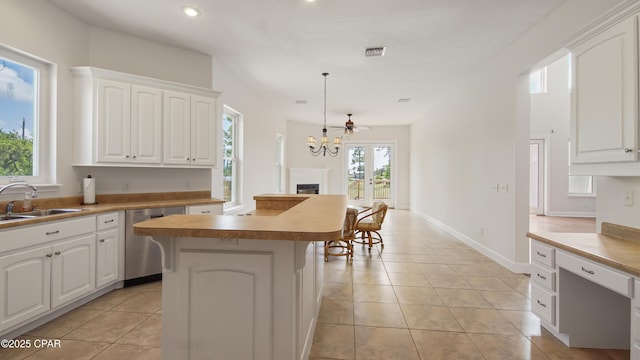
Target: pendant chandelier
x=325, y=147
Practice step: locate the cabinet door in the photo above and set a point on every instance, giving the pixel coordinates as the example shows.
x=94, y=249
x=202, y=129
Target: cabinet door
x=107, y=257
x=604, y=98
x=177, y=128
x=203, y=130
x=114, y=121
x=73, y=269
x=226, y=305
x=25, y=281
x=146, y=125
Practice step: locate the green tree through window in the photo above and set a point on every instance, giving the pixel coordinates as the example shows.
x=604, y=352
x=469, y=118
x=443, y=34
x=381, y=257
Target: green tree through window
x=17, y=118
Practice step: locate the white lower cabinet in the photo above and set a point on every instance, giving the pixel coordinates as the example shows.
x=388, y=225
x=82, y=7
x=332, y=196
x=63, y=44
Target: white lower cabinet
x=543, y=285
x=635, y=323
x=107, y=248
x=25, y=283
x=72, y=269
x=46, y=266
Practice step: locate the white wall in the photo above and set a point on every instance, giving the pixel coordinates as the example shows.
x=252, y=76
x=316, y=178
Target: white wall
x=609, y=203
x=550, y=117
x=43, y=30
x=261, y=122
x=471, y=138
x=298, y=155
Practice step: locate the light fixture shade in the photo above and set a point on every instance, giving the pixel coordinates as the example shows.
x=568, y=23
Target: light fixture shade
x=325, y=146
x=311, y=141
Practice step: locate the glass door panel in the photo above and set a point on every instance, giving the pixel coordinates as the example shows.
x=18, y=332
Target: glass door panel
x=381, y=180
x=369, y=173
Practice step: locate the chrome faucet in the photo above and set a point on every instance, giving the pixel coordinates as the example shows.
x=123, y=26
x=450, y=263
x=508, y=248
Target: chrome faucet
x=15, y=184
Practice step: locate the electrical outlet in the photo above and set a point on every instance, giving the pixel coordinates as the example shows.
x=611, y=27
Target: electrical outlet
x=628, y=198
x=482, y=231
x=125, y=187
x=496, y=187
x=187, y=184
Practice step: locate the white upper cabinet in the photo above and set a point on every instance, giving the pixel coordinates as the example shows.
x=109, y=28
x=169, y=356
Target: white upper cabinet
x=189, y=123
x=604, y=96
x=124, y=119
x=129, y=123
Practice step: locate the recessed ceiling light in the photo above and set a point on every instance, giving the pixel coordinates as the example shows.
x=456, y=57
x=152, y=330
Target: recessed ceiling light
x=310, y=0
x=190, y=11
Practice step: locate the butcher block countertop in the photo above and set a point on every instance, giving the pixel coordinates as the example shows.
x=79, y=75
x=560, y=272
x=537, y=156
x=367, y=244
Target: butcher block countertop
x=111, y=202
x=617, y=246
x=277, y=217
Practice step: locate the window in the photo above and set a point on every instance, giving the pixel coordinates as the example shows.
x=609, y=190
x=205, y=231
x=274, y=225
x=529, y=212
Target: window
x=280, y=164
x=538, y=81
x=580, y=185
x=24, y=121
x=230, y=129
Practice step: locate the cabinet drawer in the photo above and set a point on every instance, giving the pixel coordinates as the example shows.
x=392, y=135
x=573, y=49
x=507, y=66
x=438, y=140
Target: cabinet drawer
x=543, y=304
x=543, y=254
x=212, y=209
x=107, y=221
x=599, y=274
x=544, y=277
x=42, y=233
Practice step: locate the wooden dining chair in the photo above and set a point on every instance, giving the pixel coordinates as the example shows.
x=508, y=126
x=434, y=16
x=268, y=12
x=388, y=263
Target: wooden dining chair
x=368, y=225
x=344, y=244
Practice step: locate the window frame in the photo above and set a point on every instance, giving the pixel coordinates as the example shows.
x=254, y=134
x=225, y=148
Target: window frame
x=44, y=154
x=235, y=158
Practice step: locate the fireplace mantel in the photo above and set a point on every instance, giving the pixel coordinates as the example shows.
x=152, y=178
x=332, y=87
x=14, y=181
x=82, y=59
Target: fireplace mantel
x=309, y=176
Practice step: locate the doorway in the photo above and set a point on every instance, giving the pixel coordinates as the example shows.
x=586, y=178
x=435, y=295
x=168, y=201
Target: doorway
x=536, y=176
x=369, y=173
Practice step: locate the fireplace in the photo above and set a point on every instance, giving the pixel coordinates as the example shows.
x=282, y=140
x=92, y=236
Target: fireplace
x=303, y=178
x=307, y=188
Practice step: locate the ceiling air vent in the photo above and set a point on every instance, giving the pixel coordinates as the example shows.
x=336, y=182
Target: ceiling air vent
x=374, y=51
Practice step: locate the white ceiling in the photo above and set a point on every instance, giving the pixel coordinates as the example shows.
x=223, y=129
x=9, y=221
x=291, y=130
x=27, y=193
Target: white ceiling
x=283, y=46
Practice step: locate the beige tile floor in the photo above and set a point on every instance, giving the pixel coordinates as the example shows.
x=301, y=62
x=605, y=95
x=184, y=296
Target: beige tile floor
x=424, y=296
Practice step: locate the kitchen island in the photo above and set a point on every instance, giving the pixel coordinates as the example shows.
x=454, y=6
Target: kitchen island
x=245, y=287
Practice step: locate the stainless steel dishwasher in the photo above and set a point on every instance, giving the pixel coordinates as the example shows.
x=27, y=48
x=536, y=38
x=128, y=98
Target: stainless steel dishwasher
x=142, y=256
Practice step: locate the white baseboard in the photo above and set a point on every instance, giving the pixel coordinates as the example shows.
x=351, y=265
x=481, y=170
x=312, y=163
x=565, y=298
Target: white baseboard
x=571, y=214
x=520, y=268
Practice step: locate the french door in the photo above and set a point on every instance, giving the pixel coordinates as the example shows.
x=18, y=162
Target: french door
x=369, y=173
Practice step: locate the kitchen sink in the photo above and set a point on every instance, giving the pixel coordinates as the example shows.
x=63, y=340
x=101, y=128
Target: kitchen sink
x=36, y=213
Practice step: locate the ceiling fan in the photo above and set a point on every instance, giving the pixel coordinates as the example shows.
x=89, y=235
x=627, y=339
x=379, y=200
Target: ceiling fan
x=349, y=127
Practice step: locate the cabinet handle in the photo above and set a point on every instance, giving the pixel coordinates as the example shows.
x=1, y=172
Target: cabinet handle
x=127, y=156
x=541, y=254
x=57, y=253
x=101, y=240
x=49, y=255
x=541, y=277
x=590, y=272
x=134, y=156
x=52, y=232
x=108, y=221
x=627, y=150
x=206, y=212
x=188, y=159
x=541, y=304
